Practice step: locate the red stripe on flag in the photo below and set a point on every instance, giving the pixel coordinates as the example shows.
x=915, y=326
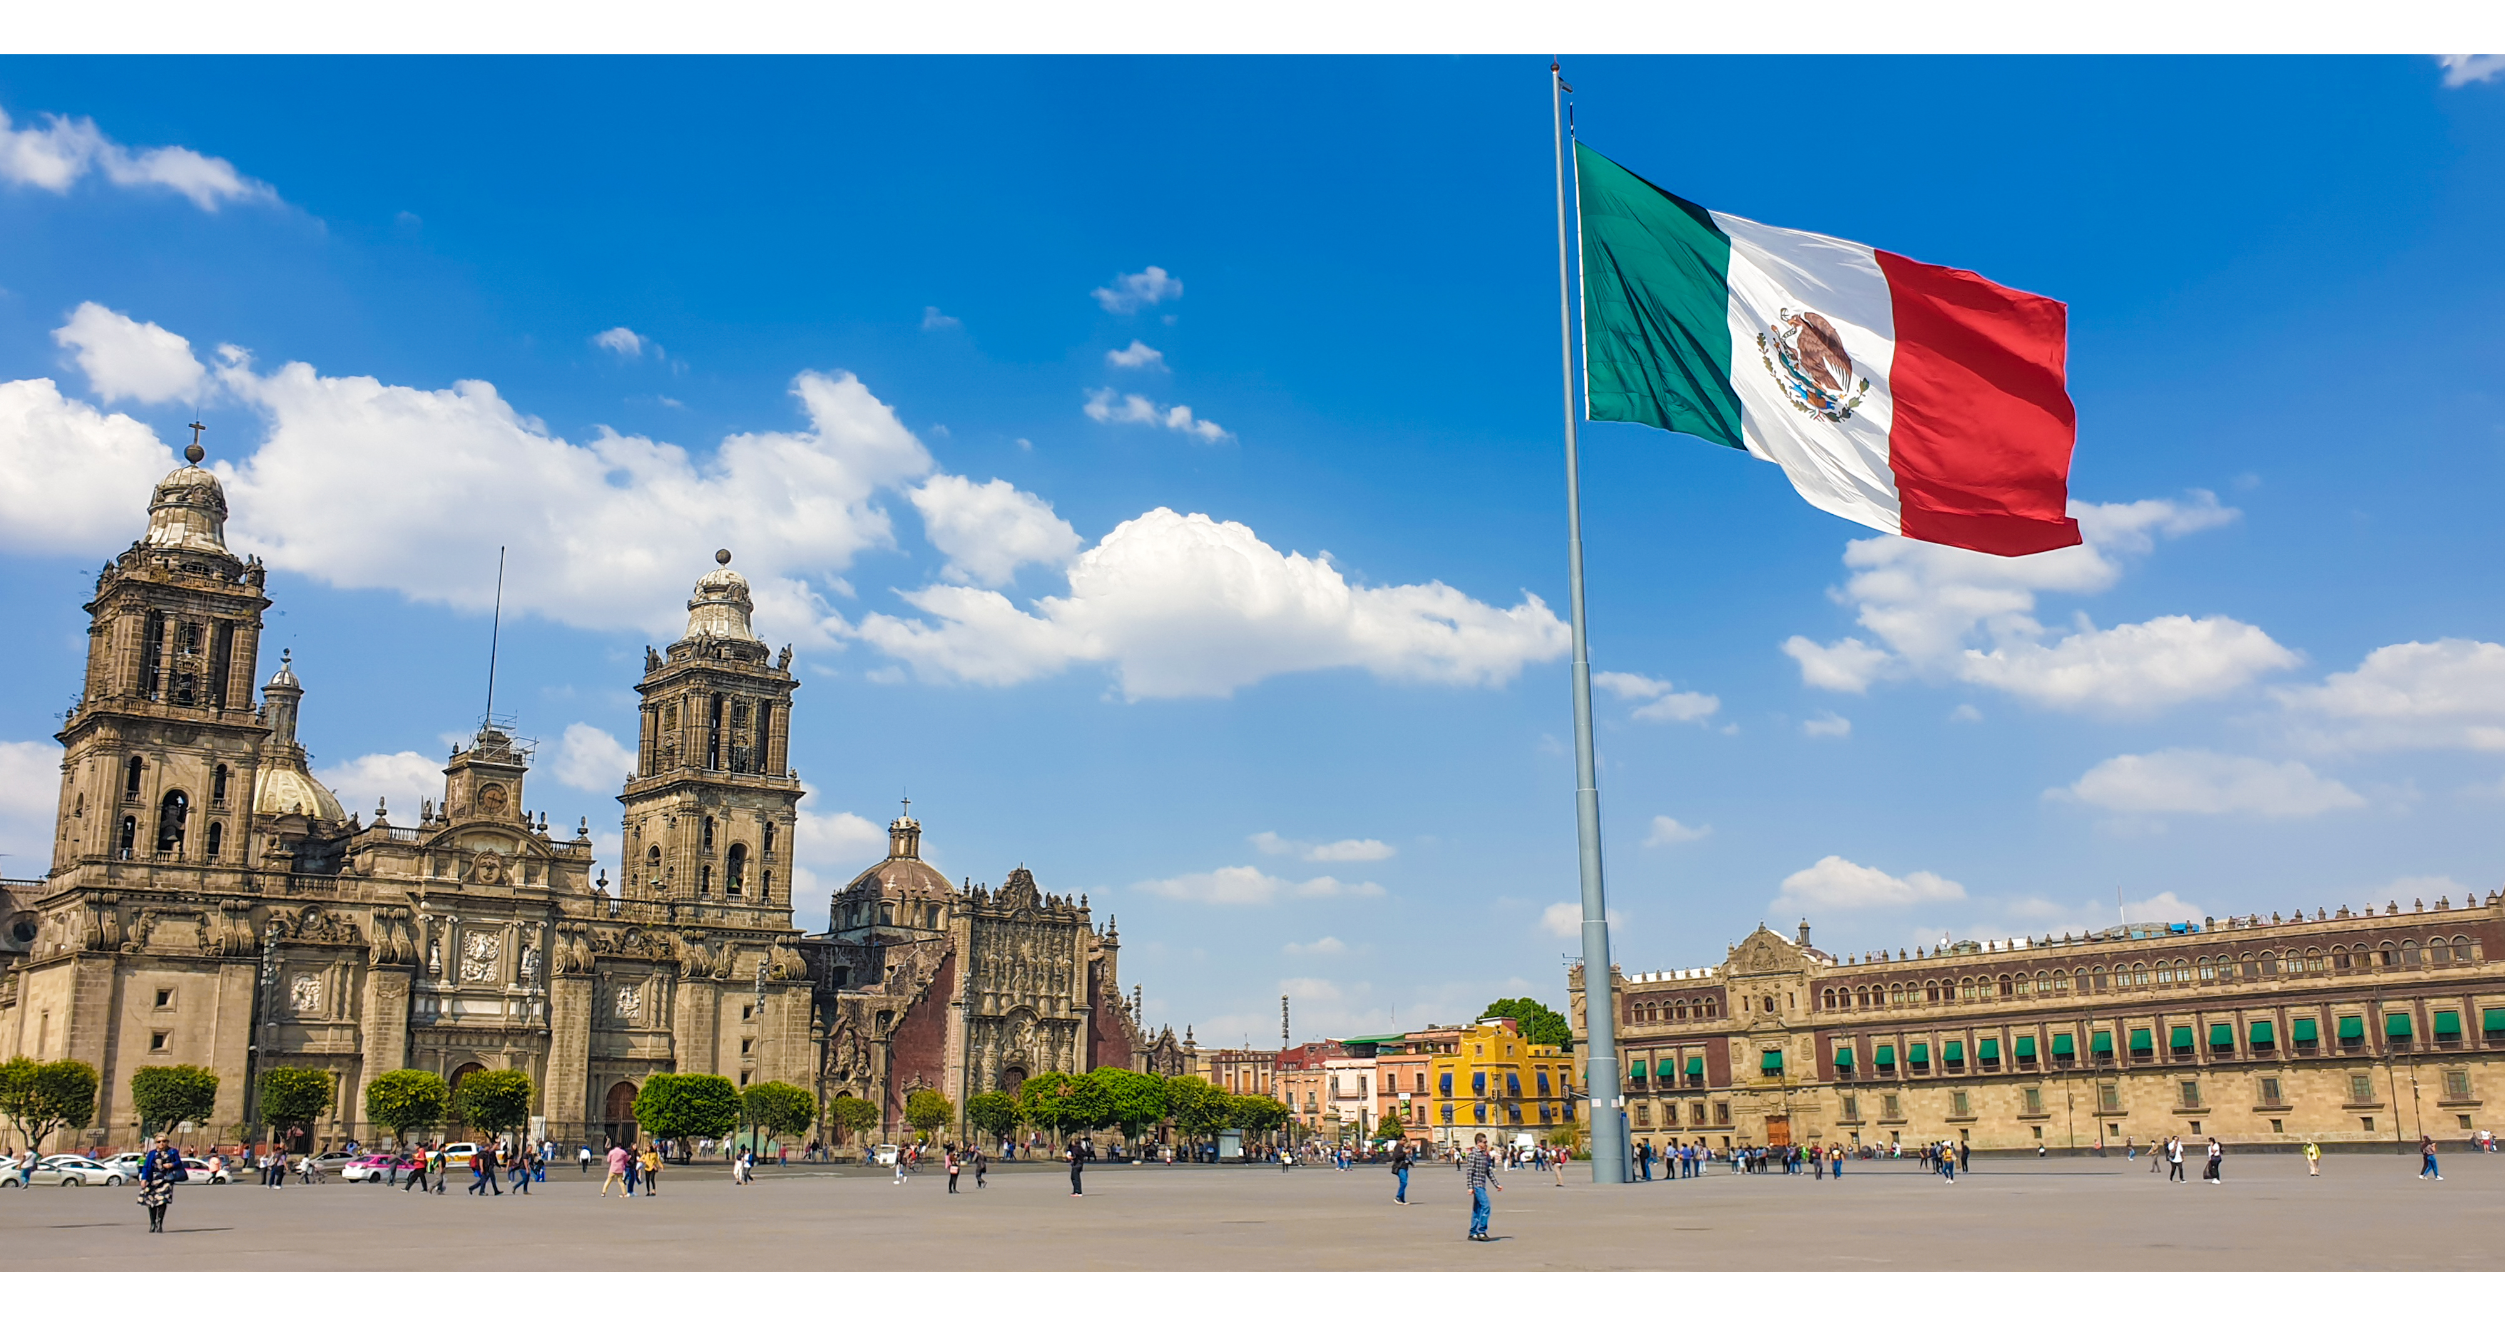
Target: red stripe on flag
x=1984, y=425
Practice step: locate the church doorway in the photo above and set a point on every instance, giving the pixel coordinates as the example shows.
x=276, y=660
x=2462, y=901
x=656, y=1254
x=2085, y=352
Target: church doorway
x=454, y=1129
x=617, y=1117
x=1012, y=1078
x=1779, y=1130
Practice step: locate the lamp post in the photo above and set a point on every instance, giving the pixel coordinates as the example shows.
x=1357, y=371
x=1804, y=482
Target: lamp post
x=761, y=962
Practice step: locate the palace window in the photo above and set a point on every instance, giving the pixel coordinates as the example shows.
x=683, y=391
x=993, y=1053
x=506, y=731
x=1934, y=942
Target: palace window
x=1958, y=1104
x=2108, y=1097
x=2009, y=987
x=1722, y=1113
x=2035, y=1100
x=132, y=772
x=741, y=749
x=769, y=840
x=2270, y=1091
x=704, y=881
x=2361, y=1087
x=129, y=841
x=2339, y=958
x=708, y=835
x=1891, y=1107
x=2191, y=1093
x=1852, y=1109
x=2456, y=1084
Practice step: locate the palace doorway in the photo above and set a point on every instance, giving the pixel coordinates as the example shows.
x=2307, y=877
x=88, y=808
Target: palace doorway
x=1779, y=1130
x=617, y=1116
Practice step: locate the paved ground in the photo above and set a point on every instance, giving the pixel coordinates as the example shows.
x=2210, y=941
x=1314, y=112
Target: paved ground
x=2366, y=1212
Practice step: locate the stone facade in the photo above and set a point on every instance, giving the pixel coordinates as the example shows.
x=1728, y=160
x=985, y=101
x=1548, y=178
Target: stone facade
x=210, y=902
x=2347, y=1028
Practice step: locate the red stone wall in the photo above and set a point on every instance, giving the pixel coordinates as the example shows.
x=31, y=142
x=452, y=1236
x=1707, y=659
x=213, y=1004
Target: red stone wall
x=919, y=1045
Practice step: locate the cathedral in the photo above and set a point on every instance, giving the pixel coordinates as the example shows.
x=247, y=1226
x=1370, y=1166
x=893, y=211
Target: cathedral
x=211, y=903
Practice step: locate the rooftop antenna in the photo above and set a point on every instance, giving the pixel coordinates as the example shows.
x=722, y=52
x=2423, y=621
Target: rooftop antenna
x=1282, y=1022
x=2126, y=916
x=495, y=634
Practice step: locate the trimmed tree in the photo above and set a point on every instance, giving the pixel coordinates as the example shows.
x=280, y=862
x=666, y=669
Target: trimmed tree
x=1256, y=1114
x=166, y=1096
x=40, y=1098
x=677, y=1106
x=1538, y=1023
x=494, y=1101
x=1390, y=1129
x=851, y=1115
x=408, y=1100
x=993, y=1112
x=1132, y=1102
x=1197, y=1105
x=778, y=1109
x=1044, y=1102
x=292, y=1098
x=928, y=1112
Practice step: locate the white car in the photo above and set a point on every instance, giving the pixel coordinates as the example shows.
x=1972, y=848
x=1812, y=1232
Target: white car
x=74, y=1172
x=886, y=1155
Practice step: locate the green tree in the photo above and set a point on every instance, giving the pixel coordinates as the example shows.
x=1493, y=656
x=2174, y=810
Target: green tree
x=1390, y=1129
x=40, y=1098
x=1256, y=1114
x=166, y=1096
x=852, y=1114
x=928, y=1112
x=677, y=1106
x=408, y=1100
x=1132, y=1102
x=778, y=1109
x=1197, y=1105
x=292, y=1098
x=494, y=1101
x=1538, y=1023
x=993, y=1112
x=1044, y=1102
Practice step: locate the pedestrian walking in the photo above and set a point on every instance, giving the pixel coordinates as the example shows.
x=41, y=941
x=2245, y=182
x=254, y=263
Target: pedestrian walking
x=2426, y=1163
x=520, y=1175
x=652, y=1170
x=1401, y=1161
x=2173, y=1154
x=982, y=1167
x=1478, y=1174
x=1078, y=1164
x=417, y=1171
x=617, y=1171
x=2217, y=1160
x=952, y=1171
x=2313, y=1160
x=159, y=1171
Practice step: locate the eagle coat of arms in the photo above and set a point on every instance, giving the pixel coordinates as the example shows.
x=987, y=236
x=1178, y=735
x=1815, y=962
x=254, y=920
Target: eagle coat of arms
x=1806, y=356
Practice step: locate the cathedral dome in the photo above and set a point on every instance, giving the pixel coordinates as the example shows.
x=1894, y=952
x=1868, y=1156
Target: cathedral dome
x=722, y=605
x=288, y=789
x=189, y=509
x=903, y=874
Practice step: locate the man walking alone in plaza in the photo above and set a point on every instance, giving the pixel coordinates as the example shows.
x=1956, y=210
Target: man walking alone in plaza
x=1400, y=1171
x=2426, y=1165
x=1478, y=1173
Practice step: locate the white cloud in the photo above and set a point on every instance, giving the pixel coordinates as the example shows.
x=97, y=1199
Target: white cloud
x=1325, y=947
x=2461, y=70
x=1187, y=605
x=2200, y=782
x=1247, y=886
x=1564, y=920
x=122, y=356
x=603, y=535
x=829, y=847
x=934, y=320
x=1103, y=407
x=66, y=149
x=1837, y=883
x=1827, y=725
x=72, y=478
x=1130, y=293
x=592, y=760
x=989, y=530
x=1346, y=849
x=1965, y=713
x=2042, y=915
x=30, y=798
x=1136, y=355
x=624, y=343
x=2420, y=886
x=1669, y=705
x=404, y=779
x=2419, y=695
x=1666, y=831
x=1927, y=603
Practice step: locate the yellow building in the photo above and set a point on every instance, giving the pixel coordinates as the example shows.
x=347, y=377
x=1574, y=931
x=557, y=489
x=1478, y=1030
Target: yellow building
x=1493, y=1080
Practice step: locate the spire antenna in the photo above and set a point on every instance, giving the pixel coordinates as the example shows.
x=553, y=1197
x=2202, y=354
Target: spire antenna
x=495, y=637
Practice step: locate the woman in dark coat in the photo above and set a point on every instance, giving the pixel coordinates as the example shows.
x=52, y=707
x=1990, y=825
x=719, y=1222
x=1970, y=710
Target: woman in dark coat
x=159, y=1171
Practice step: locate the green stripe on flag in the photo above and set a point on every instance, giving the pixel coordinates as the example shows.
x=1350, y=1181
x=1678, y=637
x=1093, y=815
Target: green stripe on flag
x=1656, y=306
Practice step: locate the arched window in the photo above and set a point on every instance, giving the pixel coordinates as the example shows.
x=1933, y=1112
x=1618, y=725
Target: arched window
x=1678, y=1010
x=131, y=774
x=769, y=840
x=217, y=786
x=765, y=885
x=887, y=913
x=1930, y=992
x=1965, y=988
x=704, y=881
x=652, y=866
x=2097, y=975
x=708, y=833
x=735, y=874
x=217, y=839
x=2409, y=952
x=2386, y=956
x=2009, y=987
x=130, y=837
x=2339, y=957
x=172, y=813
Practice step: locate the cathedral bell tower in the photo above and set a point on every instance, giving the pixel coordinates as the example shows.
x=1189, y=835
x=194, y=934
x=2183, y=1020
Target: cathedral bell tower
x=712, y=803
x=164, y=746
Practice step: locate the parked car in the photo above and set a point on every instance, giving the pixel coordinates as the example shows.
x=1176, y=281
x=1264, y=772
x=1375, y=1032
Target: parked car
x=457, y=1155
x=200, y=1171
x=75, y=1172
x=376, y=1167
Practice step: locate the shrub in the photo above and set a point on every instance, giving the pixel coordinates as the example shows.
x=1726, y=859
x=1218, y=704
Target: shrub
x=169, y=1096
x=292, y=1098
x=407, y=1100
x=494, y=1101
x=683, y=1105
x=851, y=1114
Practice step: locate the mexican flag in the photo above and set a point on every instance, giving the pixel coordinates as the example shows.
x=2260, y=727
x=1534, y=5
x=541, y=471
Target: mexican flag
x=1920, y=400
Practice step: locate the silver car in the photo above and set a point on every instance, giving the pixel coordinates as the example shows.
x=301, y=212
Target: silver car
x=74, y=1172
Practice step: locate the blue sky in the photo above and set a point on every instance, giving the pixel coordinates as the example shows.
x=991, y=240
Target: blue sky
x=1280, y=678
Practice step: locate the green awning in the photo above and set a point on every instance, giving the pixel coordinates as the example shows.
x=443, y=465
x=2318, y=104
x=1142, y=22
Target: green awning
x=2182, y=1038
x=2062, y=1044
x=2396, y=1026
x=2221, y=1033
x=1843, y=1056
x=2302, y=1031
x=2263, y=1033
x=1771, y=1061
x=1885, y=1055
x=2352, y=1029
x=1695, y=1068
x=2142, y=1040
x=1636, y=1069
x=2101, y=1042
x=1920, y=1053
x=2492, y=1019
x=2026, y=1047
x=2448, y=1022
x=1954, y=1052
x=1990, y=1049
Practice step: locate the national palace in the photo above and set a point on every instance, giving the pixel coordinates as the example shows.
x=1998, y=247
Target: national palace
x=2339, y=1027
x=210, y=902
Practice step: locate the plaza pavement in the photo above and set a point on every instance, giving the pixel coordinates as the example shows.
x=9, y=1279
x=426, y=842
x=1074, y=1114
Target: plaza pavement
x=2011, y=1214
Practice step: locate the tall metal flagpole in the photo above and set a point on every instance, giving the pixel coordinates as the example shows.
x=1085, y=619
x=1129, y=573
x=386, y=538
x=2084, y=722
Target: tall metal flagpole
x=1600, y=1003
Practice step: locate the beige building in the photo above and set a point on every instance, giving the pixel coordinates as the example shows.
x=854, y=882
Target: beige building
x=209, y=902
x=2347, y=1028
